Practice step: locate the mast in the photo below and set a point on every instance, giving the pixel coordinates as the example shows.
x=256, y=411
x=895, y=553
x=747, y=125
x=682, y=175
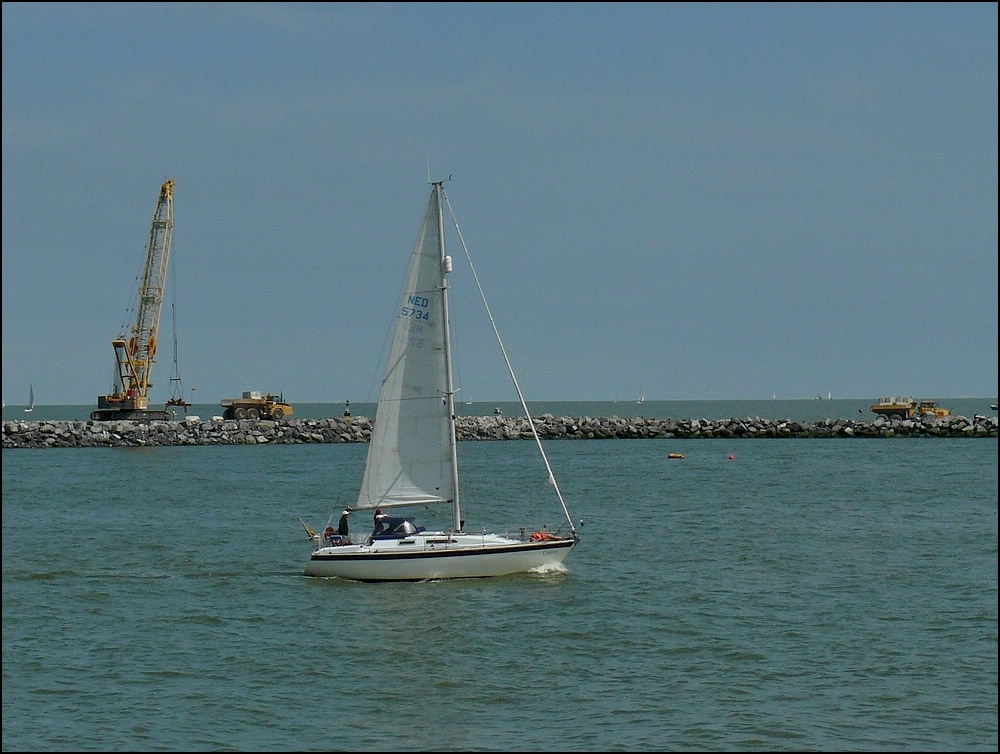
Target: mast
x=449, y=388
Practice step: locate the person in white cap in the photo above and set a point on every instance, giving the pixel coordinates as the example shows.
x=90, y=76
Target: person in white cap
x=342, y=526
x=380, y=521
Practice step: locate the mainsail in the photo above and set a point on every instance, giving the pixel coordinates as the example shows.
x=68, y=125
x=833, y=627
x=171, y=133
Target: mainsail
x=412, y=448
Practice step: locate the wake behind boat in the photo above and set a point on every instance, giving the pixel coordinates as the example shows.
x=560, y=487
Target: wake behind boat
x=412, y=456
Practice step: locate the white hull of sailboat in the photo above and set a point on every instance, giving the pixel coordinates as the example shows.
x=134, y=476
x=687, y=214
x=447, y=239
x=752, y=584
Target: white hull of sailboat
x=437, y=555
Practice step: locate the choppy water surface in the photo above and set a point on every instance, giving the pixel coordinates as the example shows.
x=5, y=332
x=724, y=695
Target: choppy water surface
x=803, y=595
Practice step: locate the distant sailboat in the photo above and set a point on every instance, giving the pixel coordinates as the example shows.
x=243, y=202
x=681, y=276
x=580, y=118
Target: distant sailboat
x=31, y=400
x=642, y=397
x=176, y=384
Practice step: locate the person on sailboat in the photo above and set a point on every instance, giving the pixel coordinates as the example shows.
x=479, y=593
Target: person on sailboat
x=342, y=529
x=380, y=522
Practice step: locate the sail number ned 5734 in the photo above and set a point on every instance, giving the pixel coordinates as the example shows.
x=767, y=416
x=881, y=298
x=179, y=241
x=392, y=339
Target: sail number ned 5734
x=413, y=313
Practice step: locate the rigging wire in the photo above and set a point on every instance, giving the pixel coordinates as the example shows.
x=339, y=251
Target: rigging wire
x=510, y=368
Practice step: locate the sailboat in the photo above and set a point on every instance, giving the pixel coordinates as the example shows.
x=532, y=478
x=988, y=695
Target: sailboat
x=31, y=400
x=176, y=384
x=412, y=455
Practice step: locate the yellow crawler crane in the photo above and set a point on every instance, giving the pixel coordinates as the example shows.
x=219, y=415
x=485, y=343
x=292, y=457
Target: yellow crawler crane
x=135, y=353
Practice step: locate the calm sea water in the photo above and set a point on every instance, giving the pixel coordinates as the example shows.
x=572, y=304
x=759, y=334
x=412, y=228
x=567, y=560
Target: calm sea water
x=802, y=595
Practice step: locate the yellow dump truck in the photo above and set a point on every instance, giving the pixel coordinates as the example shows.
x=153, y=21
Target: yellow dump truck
x=908, y=408
x=256, y=405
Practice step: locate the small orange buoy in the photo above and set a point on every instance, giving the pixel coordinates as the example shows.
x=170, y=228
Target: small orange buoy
x=732, y=458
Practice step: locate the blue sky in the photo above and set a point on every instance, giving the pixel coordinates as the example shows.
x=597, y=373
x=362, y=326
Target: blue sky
x=706, y=201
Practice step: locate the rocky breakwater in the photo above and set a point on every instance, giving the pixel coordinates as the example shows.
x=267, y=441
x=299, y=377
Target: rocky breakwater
x=91, y=434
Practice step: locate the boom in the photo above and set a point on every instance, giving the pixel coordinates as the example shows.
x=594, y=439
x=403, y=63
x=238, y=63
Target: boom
x=135, y=353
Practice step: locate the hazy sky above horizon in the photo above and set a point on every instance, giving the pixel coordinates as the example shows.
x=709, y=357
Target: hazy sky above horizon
x=692, y=201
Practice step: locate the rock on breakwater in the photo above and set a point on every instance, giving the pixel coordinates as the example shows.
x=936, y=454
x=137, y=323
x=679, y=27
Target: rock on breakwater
x=91, y=434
